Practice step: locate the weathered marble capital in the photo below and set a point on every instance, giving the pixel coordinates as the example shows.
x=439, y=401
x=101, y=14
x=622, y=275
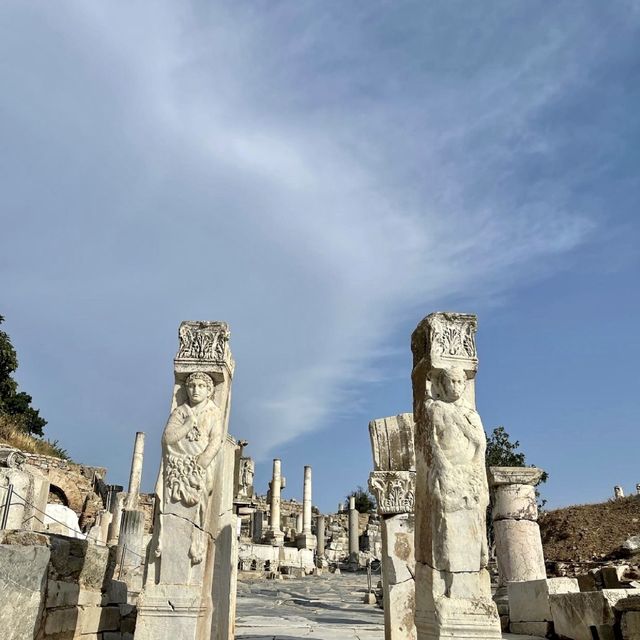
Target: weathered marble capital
x=394, y=491
x=514, y=475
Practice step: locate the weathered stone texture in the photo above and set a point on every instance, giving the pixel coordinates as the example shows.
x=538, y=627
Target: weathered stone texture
x=453, y=591
x=574, y=613
x=23, y=576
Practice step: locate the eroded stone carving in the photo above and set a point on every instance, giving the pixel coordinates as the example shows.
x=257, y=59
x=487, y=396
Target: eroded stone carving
x=203, y=341
x=191, y=440
x=191, y=560
x=455, y=447
x=453, y=596
x=247, y=472
x=394, y=491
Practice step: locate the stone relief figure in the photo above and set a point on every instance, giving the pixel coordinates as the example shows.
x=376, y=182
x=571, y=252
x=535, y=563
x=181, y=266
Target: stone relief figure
x=190, y=442
x=456, y=474
x=246, y=477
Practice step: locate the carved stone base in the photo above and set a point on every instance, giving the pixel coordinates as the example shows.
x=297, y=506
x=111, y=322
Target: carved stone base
x=275, y=538
x=306, y=541
x=455, y=606
x=169, y=613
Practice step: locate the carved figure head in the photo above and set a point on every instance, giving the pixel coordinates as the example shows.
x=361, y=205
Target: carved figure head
x=199, y=387
x=449, y=384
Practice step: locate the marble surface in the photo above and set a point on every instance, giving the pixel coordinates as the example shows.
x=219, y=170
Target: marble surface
x=323, y=607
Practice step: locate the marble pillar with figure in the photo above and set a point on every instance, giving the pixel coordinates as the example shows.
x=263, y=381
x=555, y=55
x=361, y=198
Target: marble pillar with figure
x=453, y=589
x=190, y=535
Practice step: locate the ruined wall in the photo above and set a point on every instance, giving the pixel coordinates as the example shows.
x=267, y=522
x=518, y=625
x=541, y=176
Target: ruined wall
x=54, y=588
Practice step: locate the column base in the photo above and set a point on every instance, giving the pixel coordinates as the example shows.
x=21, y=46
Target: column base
x=306, y=541
x=275, y=538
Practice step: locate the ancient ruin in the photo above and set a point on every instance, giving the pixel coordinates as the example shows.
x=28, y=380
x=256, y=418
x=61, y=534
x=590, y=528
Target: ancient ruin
x=187, y=589
x=453, y=593
x=80, y=558
x=393, y=484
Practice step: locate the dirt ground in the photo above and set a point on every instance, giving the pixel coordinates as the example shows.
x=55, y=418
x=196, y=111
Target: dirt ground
x=590, y=531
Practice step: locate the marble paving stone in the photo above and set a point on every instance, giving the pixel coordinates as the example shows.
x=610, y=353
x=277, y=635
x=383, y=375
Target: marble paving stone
x=326, y=607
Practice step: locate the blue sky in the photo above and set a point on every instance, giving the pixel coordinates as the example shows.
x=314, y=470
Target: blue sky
x=322, y=176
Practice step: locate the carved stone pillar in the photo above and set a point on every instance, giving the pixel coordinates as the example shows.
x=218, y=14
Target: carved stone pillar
x=354, y=546
x=306, y=540
x=392, y=482
x=274, y=533
x=453, y=590
x=194, y=525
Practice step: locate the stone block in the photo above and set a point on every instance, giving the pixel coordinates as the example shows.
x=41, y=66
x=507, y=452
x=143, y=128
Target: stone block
x=399, y=611
x=574, y=613
x=79, y=620
x=23, y=576
x=611, y=576
x=540, y=629
x=398, y=557
x=117, y=592
x=587, y=582
x=529, y=601
x=630, y=625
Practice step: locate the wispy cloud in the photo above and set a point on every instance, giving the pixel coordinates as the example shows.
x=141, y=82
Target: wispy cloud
x=310, y=175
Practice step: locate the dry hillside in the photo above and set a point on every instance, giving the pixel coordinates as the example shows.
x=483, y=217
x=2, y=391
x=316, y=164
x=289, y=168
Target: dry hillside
x=589, y=531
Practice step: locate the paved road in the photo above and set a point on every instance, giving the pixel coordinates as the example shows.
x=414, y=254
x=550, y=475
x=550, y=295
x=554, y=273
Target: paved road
x=326, y=607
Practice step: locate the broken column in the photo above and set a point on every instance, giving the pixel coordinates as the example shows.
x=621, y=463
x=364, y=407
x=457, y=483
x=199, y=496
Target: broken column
x=354, y=546
x=274, y=533
x=453, y=589
x=131, y=551
x=514, y=513
x=393, y=484
x=306, y=540
x=320, y=525
x=191, y=554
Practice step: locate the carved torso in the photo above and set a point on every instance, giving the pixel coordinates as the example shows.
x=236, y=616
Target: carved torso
x=185, y=479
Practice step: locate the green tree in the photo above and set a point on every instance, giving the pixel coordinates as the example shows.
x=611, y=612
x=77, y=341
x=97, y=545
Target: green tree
x=501, y=452
x=13, y=402
x=364, y=500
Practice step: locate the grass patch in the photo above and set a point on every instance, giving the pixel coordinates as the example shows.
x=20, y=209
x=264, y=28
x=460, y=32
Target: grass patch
x=12, y=435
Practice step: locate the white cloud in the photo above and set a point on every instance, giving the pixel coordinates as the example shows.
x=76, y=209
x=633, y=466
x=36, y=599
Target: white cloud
x=313, y=224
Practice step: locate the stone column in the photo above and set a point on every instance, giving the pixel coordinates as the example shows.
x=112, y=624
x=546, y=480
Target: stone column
x=306, y=540
x=392, y=482
x=320, y=521
x=193, y=550
x=453, y=589
x=136, y=472
x=354, y=546
x=274, y=533
x=116, y=505
x=515, y=525
x=130, y=554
